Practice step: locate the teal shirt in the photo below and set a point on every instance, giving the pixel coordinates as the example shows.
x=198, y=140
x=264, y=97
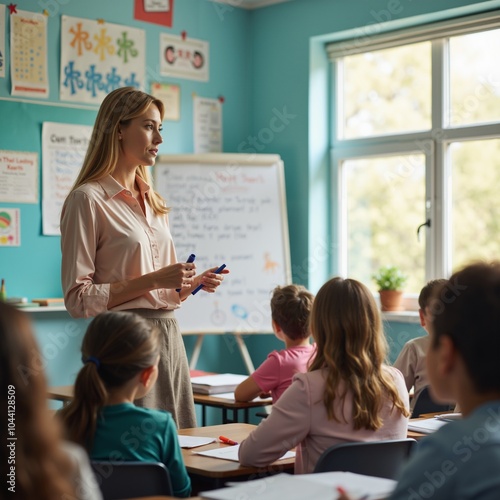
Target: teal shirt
x=126, y=432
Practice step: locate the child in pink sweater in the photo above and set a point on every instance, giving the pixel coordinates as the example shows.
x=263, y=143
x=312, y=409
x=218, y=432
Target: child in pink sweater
x=290, y=309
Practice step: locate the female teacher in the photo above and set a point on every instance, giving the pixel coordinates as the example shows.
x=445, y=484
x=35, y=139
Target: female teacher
x=117, y=250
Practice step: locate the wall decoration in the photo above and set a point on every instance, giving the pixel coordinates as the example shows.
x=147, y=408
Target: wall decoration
x=18, y=177
x=2, y=41
x=154, y=11
x=28, y=54
x=98, y=57
x=10, y=227
x=170, y=95
x=207, y=125
x=184, y=57
x=63, y=150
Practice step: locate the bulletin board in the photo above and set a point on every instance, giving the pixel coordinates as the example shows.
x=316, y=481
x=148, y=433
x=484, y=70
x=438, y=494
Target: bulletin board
x=228, y=209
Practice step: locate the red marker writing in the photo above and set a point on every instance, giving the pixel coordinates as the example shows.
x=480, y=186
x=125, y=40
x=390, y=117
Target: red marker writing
x=224, y=439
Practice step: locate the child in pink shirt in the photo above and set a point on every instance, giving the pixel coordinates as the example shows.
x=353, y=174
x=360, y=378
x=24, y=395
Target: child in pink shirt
x=290, y=308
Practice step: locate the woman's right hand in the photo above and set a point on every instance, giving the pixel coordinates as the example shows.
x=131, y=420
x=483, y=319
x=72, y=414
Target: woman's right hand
x=178, y=275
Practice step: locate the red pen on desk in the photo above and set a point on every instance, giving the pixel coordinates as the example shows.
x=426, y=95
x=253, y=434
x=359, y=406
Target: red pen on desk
x=224, y=439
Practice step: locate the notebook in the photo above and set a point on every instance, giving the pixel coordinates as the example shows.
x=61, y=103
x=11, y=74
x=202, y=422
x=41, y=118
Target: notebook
x=216, y=384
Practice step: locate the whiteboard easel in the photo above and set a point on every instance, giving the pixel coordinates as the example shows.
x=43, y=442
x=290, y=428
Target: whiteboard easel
x=228, y=209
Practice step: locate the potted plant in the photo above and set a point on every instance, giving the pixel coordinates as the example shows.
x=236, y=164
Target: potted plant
x=390, y=281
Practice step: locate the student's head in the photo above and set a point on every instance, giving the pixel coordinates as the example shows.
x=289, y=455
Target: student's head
x=118, y=347
x=116, y=112
x=465, y=330
x=351, y=348
x=290, y=309
x=41, y=467
x=424, y=299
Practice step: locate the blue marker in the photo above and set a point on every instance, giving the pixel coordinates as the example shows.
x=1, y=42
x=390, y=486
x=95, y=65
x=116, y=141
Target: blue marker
x=198, y=288
x=190, y=259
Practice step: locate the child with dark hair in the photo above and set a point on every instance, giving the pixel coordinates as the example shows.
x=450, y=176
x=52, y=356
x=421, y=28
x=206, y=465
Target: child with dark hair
x=290, y=309
x=120, y=352
x=411, y=359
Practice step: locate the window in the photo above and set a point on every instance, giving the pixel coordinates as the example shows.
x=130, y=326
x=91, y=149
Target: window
x=416, y=149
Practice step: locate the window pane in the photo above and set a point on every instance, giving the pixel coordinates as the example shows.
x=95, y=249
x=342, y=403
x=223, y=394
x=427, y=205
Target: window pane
x=387, y=91
x=474, y=78
x=475, y=201
x=385, y=205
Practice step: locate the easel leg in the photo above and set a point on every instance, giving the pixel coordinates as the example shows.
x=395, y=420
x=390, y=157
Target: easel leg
x=244, y=352
x=196, y=352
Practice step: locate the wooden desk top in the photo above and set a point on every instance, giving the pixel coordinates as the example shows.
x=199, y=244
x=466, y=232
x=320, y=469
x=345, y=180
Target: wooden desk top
x=62, y=393
x=217, y=468
x=213, y=400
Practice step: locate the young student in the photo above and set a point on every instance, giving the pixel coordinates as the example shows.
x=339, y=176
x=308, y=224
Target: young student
x=36, y=462
x=290, y=309
x=120, y=352
x=411, y=359
x=462, y=459
x=117, y=249
x=348, y=394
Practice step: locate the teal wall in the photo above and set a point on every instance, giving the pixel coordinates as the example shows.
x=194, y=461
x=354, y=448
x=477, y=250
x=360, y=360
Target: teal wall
x=263, y=61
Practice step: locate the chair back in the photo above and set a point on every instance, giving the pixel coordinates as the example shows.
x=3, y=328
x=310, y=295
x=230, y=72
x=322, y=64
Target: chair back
x=132, y=479
x=374, y=458
x=425, y=404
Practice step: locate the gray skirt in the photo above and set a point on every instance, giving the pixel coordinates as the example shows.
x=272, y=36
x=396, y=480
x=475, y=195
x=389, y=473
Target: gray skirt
x=172, y=391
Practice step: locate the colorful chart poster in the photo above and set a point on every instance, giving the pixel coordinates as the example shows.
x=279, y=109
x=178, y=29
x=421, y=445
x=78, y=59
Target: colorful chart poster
x=170, y=95
x=98, y=57
x=63, y=150
x=18, y=177
x=207, y=125
x=2, y=41
x=154, y=11
x=184, y=58
x=10, y=227
x=28, y=54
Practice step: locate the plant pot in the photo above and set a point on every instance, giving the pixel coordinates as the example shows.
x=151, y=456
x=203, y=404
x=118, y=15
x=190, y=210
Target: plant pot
x=391, y=300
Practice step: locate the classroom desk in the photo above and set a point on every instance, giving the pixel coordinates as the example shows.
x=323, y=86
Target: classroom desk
x=63, y=393
x=209, y=473
x=227, y=404
x=414, y=434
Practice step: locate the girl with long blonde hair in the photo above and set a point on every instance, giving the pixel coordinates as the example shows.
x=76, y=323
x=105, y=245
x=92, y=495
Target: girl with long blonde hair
x=348, y=394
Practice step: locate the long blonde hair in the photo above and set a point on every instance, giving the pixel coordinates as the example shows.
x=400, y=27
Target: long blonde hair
x=351, y=348
x=118, y=108
x=116, y=347
x=42, y=468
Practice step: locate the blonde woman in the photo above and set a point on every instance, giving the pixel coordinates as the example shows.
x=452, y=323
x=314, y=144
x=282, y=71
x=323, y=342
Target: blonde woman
x=348, y=394
x=117, y=250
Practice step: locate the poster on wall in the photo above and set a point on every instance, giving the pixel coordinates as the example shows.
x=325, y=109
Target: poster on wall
x=18, y=177
x=63, y=150
x=28, y=54
x=184, y=58
x=10, y=227
x=98, y=57
x=170, y=95
x=154, y=11
x=2, y=41
x=207, y=125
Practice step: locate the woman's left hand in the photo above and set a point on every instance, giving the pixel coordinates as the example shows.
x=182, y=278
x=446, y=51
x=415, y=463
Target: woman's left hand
x=210, y=280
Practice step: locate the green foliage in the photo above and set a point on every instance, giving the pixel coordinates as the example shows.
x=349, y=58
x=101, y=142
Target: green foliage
x=390, y=278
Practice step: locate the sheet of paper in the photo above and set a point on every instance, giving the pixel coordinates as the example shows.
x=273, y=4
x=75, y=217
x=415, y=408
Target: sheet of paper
x=218, y=380
x=317, y=486
x=231, y=453
x=426, y=426
x=230, y=395
x=194, y=441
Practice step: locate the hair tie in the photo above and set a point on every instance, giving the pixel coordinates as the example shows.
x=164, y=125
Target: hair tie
x=92, y=359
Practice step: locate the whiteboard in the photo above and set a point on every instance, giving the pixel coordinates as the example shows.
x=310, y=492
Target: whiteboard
x=228, y=209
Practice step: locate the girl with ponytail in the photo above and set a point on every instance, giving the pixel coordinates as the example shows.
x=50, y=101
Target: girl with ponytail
x=120, y=355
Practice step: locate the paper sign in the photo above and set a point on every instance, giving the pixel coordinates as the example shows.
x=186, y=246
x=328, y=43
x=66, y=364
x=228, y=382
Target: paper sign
x=184, y=58
x=207, y=125
x=170, y=95
x=28, y=54
x=156, y=6
x=98, y=57
x=18, y=177
x=154, y=11
x=10, y=227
